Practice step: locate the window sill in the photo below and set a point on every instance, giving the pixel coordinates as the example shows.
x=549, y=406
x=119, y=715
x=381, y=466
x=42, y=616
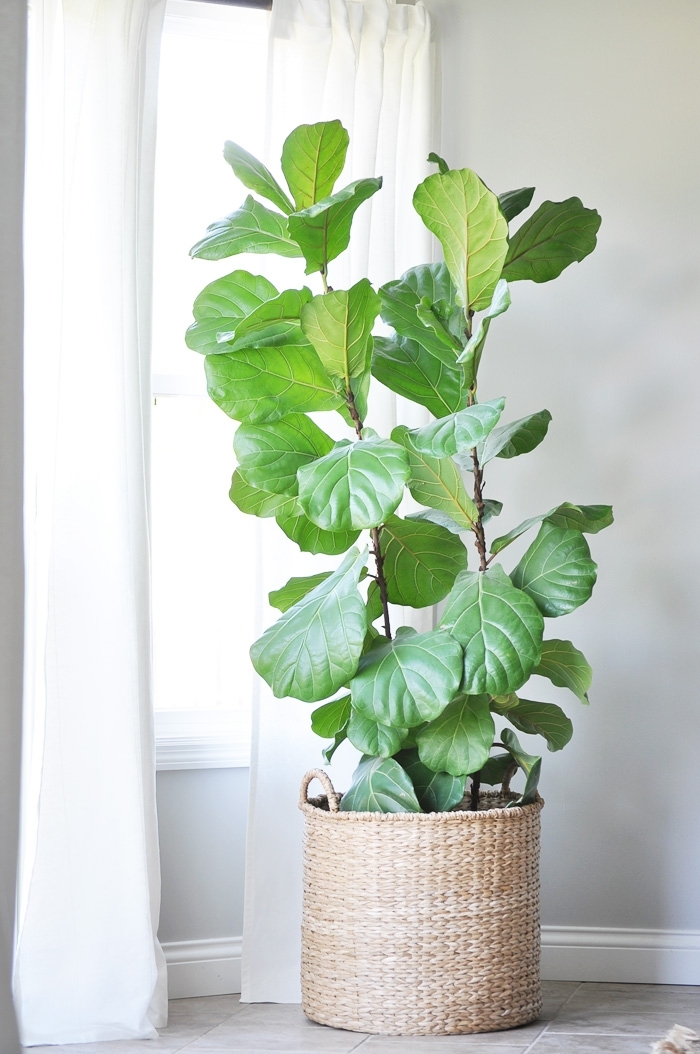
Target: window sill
x=207, y=739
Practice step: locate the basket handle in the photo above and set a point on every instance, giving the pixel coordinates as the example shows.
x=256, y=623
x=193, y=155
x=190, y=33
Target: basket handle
x=325, y=781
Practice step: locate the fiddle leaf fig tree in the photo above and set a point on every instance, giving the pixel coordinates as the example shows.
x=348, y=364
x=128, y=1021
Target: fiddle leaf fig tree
x=423, y=708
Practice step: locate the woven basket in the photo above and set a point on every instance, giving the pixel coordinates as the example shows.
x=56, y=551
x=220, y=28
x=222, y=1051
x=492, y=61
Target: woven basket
x=420, y=923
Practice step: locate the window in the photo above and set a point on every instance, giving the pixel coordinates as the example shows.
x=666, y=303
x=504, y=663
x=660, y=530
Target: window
x=211, y=88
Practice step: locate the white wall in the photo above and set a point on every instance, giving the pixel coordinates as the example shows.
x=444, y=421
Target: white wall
x=600, y=99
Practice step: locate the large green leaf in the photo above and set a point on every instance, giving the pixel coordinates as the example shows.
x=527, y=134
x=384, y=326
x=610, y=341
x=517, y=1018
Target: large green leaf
x=331, y=718
x=435, y=516
x=437, y=483
x=309, y=536
x=322, y=231
x=458, y=432
x=500, y=628
x=255, y=176
x=436, y=791
x=270, y=454
x=542, y=719
x=466, y=218
x=313, y=156
x=459, y=740
x=429, y=376
x=518, y=437
x=264, y=384
x=250, y=229
x=371, y=737
x=495, y=769
x=587, y=518
x=295, y=589
x=222, y=304
x=421, y=561
x=339, y=325
x=471, y=356
x=275, y=322
x=422, y=306
x=355, y=486
x=556, y=235
x=513, y=202
x=530, y=765
x=408, y=680
x=314, y=648
x=258, y=502
x=566, y=667
x=556, y=571
x=329, y=750
x=379, y=785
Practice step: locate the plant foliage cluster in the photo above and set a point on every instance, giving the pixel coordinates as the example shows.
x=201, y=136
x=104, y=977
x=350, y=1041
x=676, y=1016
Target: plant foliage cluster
x=419, y=706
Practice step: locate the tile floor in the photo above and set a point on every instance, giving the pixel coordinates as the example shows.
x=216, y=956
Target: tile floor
x=576, y=1019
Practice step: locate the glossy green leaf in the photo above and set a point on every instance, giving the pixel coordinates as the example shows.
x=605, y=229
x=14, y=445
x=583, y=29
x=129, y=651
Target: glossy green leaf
x=379, y=785
x=556, y=571
x=410, y=304
x=255, y=176
x=331, y=718
x=436, y=791
x=495, y=769
x=527, y=762
x=459, y=432
x=322, y=231
x=339, y=325
x=314, y=648
x=264, y=384
x=371, y=737
x=435, y=516
x=429, y=376
x=269, y=455
x=275, y=322
x=421, y=561
x=466, y=218
x=518, y=437
x=460, y=739
x=503, y=704
x=587, y=518
x=513, y=202
x=542, y=719
x=491, y=508
x=355, y=486
x=566, y=667
x=222, y=304
x=309, y=536
x=471, y=356
x=556, y=235
x=258, y=502
x=328, y=751
x=435, y=159
x=295, y=589
x=408, y=680
x=500, y=628
x=313, y=156
x=437, y=482
x=250, y=229
x=374, y=603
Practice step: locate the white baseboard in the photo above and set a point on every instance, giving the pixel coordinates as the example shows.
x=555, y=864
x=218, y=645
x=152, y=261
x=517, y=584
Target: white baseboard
x=209, y=967
x=569, y=953
x=581, y=953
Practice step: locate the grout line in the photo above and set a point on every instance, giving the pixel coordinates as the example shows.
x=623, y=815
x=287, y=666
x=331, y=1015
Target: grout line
x=545, y=1031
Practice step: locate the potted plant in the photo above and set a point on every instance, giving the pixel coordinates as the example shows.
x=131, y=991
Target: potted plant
x=421, y=889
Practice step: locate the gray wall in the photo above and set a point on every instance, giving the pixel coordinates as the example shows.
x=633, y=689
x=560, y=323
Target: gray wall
x=600, y=99
x=12, y=74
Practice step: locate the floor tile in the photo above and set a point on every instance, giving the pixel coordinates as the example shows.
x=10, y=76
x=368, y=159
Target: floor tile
x=637, y=997
x=585, y=1020
x=564, y=1044
x=275, y=1027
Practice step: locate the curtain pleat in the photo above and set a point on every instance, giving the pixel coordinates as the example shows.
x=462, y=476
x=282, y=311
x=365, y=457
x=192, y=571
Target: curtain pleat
x=370, y=63
x=88, y=964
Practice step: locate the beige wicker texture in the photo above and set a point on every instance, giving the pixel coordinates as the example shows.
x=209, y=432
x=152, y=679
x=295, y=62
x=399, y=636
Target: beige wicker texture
x=420, y=923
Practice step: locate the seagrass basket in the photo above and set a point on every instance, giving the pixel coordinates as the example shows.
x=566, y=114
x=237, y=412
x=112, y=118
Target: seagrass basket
x=420, y=923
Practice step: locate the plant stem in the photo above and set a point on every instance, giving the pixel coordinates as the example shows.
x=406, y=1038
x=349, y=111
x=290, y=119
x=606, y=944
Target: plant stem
x=479, y=502
x=476, y=784
x=376, y=545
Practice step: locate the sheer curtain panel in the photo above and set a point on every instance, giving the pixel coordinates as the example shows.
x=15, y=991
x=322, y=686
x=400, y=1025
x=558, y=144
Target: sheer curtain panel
x=371, y=64
x=88, y=965
x=12, y=98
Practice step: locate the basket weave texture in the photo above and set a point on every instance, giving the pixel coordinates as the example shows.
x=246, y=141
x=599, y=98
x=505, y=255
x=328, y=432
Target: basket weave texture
x=420, y=923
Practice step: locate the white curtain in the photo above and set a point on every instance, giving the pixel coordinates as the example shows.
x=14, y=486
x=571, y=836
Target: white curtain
x=370, y=63
x=88, y=965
